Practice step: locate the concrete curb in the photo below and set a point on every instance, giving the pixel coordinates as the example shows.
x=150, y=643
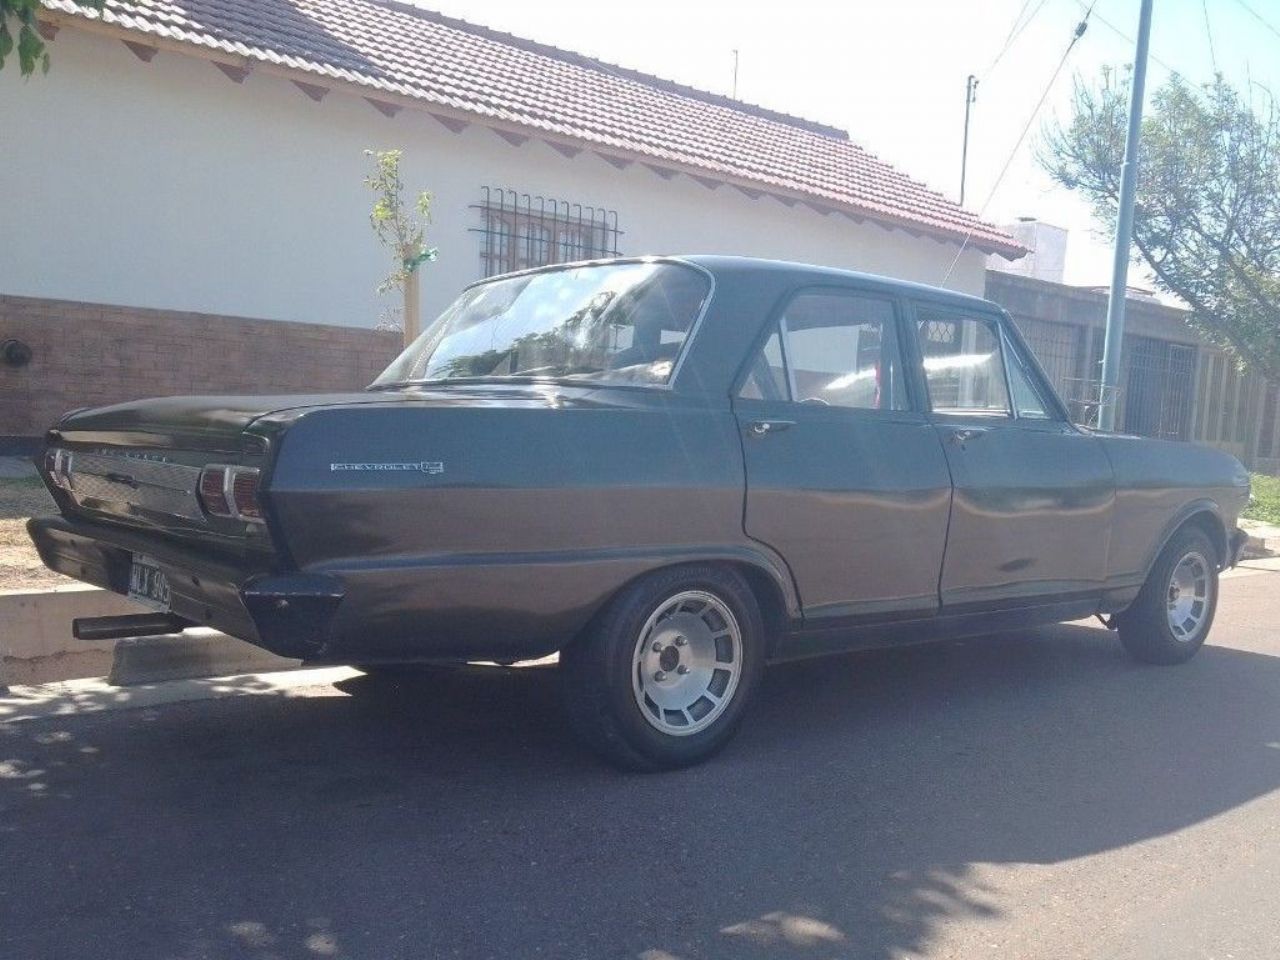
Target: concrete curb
x=1263, y=539
x=1259, y=548
x=195, y=653
x=36, y=645
x=1255, y=548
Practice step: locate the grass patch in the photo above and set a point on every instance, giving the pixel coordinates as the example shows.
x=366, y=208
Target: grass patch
x=1264, y=504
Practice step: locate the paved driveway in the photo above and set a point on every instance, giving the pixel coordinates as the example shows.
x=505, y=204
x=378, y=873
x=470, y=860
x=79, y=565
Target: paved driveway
x=1010, y=797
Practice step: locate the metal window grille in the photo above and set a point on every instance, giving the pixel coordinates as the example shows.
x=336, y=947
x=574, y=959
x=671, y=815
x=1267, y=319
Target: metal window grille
x=940, y=337
x=520, y=230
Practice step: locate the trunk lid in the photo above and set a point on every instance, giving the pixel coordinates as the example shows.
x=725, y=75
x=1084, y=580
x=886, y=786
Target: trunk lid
x=139, y=463
x=198, y=423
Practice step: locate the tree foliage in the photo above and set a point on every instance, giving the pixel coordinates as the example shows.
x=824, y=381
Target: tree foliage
x=1207, y=217
x=19, y=17
x=396, y=225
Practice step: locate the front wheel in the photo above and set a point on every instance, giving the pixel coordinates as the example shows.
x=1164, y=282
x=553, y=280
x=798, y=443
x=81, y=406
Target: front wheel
x=1170, y=619
x=661, y=678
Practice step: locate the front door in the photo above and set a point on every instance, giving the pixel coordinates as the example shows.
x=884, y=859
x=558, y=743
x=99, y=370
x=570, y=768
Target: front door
x=846, y=478
x=1033, y=495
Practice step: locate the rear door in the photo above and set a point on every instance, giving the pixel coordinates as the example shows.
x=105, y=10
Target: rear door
x=1033, y=494
x=846, y=478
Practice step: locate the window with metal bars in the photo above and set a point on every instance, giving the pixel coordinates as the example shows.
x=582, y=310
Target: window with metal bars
x=520, y=230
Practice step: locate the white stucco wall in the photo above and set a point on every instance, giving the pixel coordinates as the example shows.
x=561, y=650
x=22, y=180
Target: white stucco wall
x=166, y=185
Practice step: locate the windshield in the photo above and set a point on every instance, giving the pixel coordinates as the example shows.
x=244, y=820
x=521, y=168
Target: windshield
x=617, y=322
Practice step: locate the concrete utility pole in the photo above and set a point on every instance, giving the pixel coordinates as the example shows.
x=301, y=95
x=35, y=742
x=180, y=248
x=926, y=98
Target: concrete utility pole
x=1124, y=230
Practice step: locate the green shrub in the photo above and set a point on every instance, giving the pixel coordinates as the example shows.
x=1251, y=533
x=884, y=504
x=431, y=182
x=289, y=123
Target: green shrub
x=1264, y=504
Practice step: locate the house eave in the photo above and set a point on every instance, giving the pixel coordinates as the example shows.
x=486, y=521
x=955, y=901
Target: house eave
x=314, y=82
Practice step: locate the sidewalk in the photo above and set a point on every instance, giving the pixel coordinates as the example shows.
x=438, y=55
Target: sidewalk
x=78, y=697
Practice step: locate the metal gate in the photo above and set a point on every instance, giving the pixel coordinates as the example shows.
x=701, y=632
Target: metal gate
x=1159, y=388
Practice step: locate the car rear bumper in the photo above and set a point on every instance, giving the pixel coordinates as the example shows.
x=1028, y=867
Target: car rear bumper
x=286, y=613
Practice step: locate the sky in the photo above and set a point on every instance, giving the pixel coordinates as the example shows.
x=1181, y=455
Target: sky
x=892, y=73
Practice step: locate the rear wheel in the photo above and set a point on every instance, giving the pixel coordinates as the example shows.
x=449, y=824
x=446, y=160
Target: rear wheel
x=663, y=675
x=1171, y=617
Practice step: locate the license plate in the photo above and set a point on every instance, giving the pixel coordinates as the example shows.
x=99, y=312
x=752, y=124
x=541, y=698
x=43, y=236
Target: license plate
x=147, y=584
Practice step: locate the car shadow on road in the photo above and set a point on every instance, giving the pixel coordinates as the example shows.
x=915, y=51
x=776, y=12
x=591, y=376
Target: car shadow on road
x=453, y=816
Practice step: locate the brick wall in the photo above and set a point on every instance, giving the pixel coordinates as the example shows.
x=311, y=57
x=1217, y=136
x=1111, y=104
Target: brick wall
x=86, y=354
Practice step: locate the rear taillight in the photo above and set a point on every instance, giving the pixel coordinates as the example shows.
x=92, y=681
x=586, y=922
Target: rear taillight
x=230, y=492
x=57, y=463
x=244, y=494
x=213, y=491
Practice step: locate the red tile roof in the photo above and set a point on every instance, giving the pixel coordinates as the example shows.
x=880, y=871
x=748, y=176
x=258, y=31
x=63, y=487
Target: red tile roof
x=383, y=45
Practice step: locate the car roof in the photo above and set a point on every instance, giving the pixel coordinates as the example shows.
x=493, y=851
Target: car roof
x=723, y=265
x=717, y=263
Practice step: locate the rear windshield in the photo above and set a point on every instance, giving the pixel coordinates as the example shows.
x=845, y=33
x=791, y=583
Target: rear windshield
x=616, y=323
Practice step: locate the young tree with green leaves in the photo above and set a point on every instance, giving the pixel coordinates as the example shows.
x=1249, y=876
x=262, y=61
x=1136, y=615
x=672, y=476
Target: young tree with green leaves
x=1207, y=218
x=403, y=230
x=19, y=17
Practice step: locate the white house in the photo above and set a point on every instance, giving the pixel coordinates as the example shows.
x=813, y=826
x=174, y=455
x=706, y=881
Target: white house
x=209, y=158
x=151, y=178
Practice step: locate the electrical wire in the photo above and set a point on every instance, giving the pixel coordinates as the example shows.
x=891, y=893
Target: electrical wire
x=1015, y=31
x=1057, y=71
x=1208, y=29
x=1257, y=16
x=1129, y=40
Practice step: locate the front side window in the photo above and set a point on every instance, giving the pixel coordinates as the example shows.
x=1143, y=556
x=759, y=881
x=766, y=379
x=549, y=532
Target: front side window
x=963, y=366
x=619, y=322
x=831, y=349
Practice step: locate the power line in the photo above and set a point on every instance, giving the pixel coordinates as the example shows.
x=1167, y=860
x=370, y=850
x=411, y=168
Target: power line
x=1062, y=62
x=1257, y=16
x=1129, y=40
x=1208, y=29
x=1015, y=31
x=1008, y=37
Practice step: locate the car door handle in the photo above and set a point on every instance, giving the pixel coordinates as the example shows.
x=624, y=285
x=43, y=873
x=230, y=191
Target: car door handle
x=963, y=435
x=762, y=428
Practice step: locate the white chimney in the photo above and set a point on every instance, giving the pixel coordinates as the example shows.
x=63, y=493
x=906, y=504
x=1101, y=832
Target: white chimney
x=1047, y=246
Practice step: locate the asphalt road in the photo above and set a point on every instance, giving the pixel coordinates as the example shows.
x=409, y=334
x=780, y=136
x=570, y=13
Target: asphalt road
x=1010, y=797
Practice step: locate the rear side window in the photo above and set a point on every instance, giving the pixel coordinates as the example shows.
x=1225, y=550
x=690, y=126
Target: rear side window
x=963, y=365
x=831, y=349
x=767, y=376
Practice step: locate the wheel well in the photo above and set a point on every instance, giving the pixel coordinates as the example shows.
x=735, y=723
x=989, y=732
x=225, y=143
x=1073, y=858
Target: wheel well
x=1212, y=528
x=773, y=606
x=769, y=596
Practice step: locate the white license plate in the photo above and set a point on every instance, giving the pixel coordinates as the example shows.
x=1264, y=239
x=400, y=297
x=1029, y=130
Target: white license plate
x=147, y=584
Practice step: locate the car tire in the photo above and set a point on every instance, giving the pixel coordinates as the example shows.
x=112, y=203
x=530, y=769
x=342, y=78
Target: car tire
x=662, y=676
x=1171, y=617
